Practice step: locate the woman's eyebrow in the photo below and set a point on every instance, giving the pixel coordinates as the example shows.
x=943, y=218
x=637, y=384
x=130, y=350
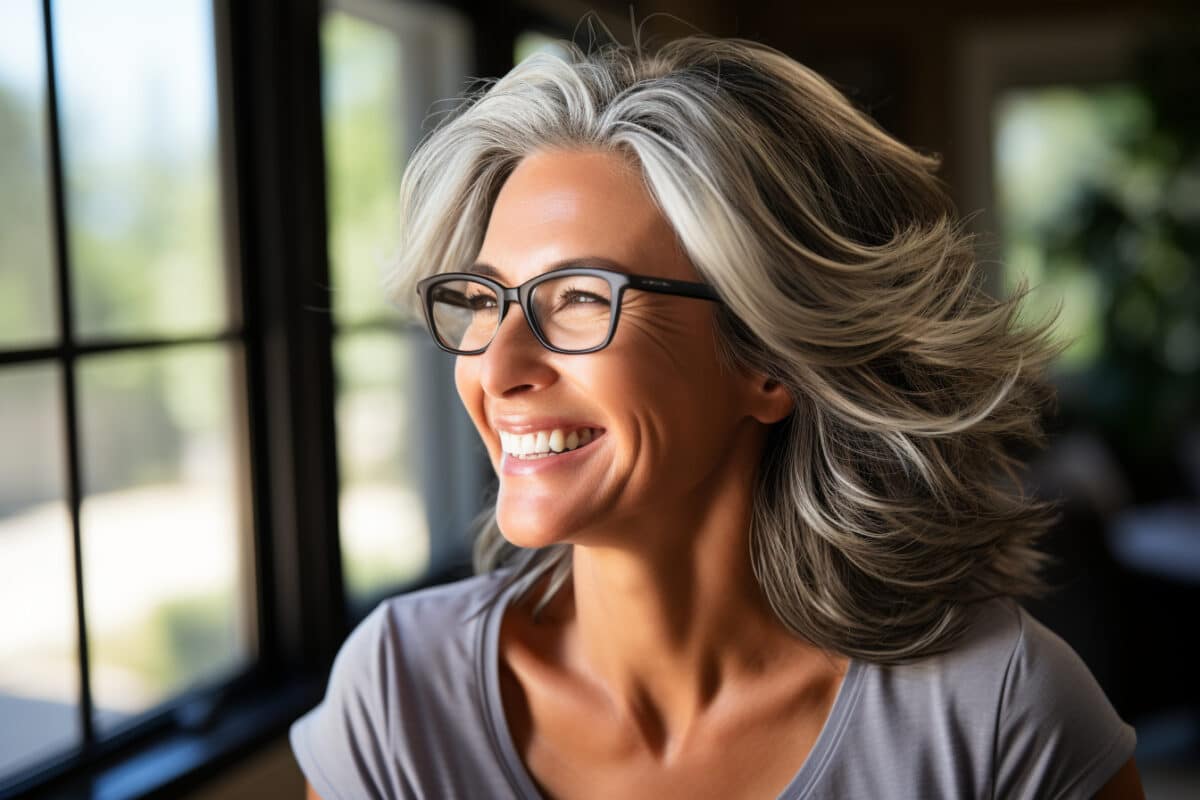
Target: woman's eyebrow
x=593, y=261
x=487, y=270
x=480, y=268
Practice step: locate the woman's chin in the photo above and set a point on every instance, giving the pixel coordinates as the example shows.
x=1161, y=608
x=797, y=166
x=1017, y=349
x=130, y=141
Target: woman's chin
x=530, y=539
x=528, y=528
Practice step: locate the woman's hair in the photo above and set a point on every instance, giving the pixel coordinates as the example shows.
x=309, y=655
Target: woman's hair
x=890, y=499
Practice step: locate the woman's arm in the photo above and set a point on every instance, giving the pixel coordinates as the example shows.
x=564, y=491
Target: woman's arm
x=311, y=793
x=1125, y=785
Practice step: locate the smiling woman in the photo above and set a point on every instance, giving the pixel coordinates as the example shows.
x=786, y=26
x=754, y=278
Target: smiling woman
x=759, y=529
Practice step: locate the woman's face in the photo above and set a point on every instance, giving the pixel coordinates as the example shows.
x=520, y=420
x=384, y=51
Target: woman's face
x=664, y=416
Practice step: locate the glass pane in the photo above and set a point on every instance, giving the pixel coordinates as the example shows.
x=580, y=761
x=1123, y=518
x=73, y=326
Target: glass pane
x=465, y=314
x=573, y=312
x=28, y=314
x=138, y=108
x=385, y=536
x=39, y=670
x=165, y=546
x=363, y=92
x=1058, y=151
x=530, y=42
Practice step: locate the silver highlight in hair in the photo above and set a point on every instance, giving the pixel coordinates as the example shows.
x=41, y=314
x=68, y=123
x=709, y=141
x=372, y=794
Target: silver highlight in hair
x=890, y=500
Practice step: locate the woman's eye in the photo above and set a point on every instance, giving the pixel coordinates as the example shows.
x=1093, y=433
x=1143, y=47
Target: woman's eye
x=578, y=297
x=481, y=302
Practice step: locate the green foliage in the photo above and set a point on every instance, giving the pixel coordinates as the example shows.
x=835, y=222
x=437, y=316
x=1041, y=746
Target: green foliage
x=26, y=243
x=185, y=639
x=144, y=245
x=1101, y=210
x=363, y=93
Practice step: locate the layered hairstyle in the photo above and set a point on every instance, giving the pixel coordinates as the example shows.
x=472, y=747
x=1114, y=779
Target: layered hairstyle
x=890, y=499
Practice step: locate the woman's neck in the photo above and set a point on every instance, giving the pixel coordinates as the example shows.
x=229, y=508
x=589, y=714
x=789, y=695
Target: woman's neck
x=668, y=622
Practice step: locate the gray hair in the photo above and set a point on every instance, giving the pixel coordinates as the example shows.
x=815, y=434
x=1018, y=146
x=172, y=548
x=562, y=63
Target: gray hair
x=890, y=499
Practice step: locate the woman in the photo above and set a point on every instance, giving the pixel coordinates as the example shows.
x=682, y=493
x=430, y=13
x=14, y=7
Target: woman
x=758, y=527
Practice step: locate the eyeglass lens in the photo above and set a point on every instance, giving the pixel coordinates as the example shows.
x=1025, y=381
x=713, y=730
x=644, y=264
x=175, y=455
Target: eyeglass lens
x=573, y=312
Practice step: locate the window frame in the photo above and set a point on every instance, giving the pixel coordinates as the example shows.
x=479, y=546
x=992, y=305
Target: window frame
x=270, y=173
x=992, y=59
x=64, y=356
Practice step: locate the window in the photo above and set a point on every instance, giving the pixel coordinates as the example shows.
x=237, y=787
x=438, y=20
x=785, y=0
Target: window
x=411, y=475
x=123, y=490
x=534, y=41
x=1059, y=150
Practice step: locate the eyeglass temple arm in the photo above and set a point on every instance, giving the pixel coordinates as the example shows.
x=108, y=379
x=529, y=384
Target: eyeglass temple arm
x=702, y=291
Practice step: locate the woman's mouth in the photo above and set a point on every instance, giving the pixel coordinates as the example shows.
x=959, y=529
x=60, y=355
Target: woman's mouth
x=546, y=443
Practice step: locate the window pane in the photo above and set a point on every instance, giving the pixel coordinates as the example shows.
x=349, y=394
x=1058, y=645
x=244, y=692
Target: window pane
x=1057, y=150
x=138, y=109
x=530, y=42
x=385, y=536
x=28, y=315
x=165, y=549
x=363, y=92
x=39, y=672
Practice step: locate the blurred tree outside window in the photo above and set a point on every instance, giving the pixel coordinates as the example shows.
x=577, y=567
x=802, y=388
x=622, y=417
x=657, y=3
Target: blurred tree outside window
x=1098, y=189
x=530, y=42
x=27, y=287
x=137, y=100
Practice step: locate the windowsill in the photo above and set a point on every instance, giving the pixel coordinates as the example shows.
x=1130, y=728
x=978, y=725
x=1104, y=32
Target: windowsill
x=180, y=760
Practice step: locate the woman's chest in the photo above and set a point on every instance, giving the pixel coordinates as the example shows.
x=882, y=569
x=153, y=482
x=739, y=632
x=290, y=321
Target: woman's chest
x=755, y=768
x=574, y=751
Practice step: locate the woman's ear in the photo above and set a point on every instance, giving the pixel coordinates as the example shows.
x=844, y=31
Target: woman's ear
x=772, y=401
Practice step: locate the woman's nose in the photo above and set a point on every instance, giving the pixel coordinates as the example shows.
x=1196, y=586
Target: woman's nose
x=515, y=360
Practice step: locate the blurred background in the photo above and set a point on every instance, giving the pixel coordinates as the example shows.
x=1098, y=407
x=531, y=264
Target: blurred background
x=219, y=447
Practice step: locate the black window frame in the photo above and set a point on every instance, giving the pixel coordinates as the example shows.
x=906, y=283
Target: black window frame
x=270, y=165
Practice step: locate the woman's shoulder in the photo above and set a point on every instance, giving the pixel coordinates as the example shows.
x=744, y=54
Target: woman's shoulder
x=1055, y=726
x=415, y=623
x=408, y=634
x=1009, y=711
x=403, y=706
x=974, y=671
x=1017, y=666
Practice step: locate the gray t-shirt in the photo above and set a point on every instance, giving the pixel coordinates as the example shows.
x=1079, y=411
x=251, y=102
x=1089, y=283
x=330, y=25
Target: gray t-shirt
x=413, y=710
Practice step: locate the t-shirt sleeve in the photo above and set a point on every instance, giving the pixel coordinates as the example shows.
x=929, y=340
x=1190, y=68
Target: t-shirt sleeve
x=1058, y=736
x=343, y=745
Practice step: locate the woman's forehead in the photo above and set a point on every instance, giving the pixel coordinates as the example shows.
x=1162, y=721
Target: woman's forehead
x=559, y=206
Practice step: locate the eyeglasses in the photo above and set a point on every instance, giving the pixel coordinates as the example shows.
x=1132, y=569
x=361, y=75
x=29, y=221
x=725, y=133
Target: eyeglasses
x=571, y=310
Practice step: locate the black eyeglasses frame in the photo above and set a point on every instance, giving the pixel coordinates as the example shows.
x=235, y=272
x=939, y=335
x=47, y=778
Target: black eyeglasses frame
x=507, y=295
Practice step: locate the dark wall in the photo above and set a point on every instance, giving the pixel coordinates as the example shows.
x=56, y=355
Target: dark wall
x=899, y=61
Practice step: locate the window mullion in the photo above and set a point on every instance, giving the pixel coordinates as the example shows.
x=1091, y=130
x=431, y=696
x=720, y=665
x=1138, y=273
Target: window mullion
x=69, y=401
x=273, y=51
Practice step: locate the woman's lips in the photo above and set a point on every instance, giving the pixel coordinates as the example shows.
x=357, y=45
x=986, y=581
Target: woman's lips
x=514, y=465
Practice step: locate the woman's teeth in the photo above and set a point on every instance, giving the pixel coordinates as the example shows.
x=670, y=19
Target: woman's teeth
x=544, y=443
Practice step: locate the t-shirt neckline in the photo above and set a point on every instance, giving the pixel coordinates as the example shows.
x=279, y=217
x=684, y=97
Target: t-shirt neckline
x=488, y=674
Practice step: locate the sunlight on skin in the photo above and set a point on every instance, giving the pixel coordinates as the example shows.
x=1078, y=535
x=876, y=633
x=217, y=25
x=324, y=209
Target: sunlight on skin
x=640, y=389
